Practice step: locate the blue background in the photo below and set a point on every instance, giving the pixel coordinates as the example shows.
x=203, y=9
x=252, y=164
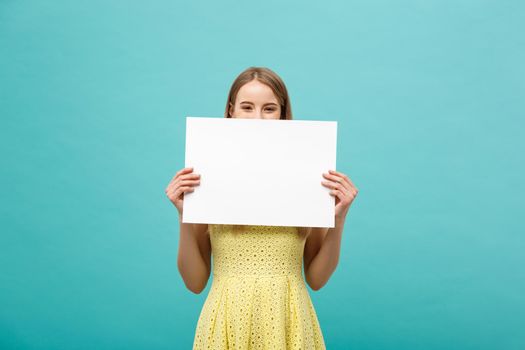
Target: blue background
x=429, y=96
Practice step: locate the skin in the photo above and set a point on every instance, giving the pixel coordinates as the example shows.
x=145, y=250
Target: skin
x=255, y=100
x=322, y=246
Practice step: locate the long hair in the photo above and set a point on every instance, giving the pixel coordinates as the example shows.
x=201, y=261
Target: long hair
x=267, y=77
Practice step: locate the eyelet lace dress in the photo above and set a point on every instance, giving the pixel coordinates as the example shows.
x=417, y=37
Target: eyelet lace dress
x=258, y=298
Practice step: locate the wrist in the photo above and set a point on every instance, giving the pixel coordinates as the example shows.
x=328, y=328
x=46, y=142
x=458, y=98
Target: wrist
x=340, y=219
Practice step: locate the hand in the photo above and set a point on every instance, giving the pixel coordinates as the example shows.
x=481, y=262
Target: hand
x=343, y=190
x=182, y=182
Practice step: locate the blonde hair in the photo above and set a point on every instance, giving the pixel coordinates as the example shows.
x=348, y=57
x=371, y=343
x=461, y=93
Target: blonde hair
x=271, y=79
x=267, y=77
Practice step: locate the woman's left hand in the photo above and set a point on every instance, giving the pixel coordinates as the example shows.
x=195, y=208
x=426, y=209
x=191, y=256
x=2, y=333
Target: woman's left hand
x=343, y=189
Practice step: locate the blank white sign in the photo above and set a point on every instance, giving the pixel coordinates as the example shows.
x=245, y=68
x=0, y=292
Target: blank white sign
x=260, y=171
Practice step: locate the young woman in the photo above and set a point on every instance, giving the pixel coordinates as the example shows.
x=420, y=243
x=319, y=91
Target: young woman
x=258, y=298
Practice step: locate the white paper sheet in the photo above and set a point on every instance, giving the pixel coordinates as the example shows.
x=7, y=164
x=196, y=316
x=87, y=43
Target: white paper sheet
x=260, y=171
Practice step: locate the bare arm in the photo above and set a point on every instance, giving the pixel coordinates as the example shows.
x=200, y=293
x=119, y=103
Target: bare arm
x=321, y=254
x=194, y=257
x=323, y=246
x=194, y=243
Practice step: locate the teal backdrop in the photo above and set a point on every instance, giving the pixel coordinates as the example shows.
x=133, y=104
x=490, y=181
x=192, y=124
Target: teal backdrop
x=429, y=96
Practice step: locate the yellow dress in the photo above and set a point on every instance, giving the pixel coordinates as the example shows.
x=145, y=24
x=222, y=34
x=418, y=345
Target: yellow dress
x=258, y=298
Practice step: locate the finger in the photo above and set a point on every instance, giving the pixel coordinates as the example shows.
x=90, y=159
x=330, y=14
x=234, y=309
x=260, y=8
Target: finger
x=189, y=183
x=181, y=190
x=190, y=176
x=343, y=176
x=345, y=193
x=346, y=178
x=183, y=171
x=338, y=194
x=337, y=179
x=186, y=177
x=336, y=186
x=177, y=176
x=350, y=182
x=186, y=183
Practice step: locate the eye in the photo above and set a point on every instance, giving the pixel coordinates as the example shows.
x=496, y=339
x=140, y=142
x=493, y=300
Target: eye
x=246, y=107
x=270, y=109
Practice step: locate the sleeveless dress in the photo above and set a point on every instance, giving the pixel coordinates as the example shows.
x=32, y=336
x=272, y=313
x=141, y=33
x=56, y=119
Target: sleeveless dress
x=258, y=298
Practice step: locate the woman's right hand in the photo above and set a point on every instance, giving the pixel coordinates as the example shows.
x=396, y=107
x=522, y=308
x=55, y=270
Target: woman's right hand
x=183, y=181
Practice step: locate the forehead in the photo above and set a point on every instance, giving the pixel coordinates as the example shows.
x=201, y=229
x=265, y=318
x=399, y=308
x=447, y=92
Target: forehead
x=255, y=91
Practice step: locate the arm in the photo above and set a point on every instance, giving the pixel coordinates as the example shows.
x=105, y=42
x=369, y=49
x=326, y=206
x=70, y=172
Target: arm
x=321, y=254
x=194, y=257
x=323, y=246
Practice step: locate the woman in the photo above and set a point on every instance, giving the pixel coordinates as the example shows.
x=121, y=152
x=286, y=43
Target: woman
x=258, y=298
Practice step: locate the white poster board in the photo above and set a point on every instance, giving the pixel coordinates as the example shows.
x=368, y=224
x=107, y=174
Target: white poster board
x=260, y=171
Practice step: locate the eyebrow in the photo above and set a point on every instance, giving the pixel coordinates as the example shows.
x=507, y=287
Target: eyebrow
x=271, y=103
